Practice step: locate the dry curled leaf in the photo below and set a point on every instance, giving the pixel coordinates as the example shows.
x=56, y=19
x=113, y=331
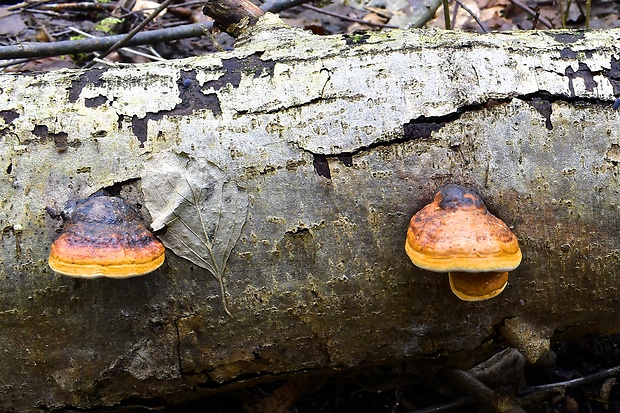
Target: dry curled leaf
x=202, y=207
x=147, y=7
x=11, y=24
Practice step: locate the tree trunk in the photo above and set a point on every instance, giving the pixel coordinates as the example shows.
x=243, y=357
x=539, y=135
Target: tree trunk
x=319, y=150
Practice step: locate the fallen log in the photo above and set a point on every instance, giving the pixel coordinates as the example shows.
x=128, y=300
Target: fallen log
x=296, y=162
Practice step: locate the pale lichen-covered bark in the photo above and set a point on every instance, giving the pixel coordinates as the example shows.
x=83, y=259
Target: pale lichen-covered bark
x=336, y=141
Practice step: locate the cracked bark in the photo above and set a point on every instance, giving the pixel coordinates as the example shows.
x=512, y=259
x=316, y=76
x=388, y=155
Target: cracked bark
x=338, y=140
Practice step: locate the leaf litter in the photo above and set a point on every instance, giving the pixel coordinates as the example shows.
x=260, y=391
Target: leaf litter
x=202, y=208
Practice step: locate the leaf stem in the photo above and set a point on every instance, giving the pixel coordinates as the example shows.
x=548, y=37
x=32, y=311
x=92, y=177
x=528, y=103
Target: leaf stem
x=224, y=296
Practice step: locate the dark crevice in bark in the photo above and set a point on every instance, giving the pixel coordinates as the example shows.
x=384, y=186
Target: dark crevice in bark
x=422, y=128
x=116, y=188
x=544, y=108
x=294, y=107
x=346, y=160
x=321, y=166
x=544, y=97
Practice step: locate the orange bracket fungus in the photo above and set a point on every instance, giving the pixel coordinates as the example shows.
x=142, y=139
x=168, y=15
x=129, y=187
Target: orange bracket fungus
x=456, y=234
x=105, y=237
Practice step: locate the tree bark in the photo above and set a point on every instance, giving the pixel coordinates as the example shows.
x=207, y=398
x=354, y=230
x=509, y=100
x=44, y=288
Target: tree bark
x=331, y=144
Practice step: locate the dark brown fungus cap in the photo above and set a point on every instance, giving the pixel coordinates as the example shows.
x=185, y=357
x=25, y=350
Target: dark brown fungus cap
x=456, y=234
x=105, y=237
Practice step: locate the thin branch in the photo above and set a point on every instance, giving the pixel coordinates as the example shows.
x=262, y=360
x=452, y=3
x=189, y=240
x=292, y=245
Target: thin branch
x=187, y=4
x=455, y=13
x=569, y=384
x=472, y=14
x=276, y=6
x=125, y=40
x=26, y=5
x=78, y=6
x=536, y=17
x=40, y=50
x=446, y=15
x=351, y=19
x=15, y=62
x=461, y=403
x=422, y=12
x=531, y=12
x=125, y=49
x=563, y=12
x=44, y=12
x=474, y=388
x=28, y=50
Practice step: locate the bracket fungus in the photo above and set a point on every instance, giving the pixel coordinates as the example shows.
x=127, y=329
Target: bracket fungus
x=104, y=237
x=457, y=234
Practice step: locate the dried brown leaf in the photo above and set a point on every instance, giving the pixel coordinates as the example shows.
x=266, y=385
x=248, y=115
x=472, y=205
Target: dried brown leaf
x=201, y=206
x=11, y=24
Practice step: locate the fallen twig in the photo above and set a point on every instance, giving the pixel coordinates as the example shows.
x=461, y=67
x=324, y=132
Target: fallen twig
x=26, y=5
x=446, y=15
x=276, y=6
x=127, y=38
x=536, y=17
x=352, y=19
x=483, y=394
x=472, y=14
x=569, y=384
x=422, y=13
x=77, y=6
x=531, y=12
x=126, y=49
x=446, y=407
x=28, y=50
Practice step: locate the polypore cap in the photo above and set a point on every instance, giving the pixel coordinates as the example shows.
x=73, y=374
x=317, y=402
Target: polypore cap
x=104, y=237
x=456, y=232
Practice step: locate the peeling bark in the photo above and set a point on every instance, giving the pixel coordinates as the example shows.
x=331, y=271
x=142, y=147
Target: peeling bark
x=337, y=140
